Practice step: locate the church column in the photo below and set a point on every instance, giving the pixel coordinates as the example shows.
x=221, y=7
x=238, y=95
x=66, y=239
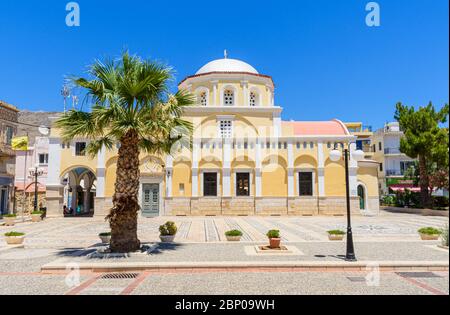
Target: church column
x=169, y=175
x=215, y=93
x=244, y=85
x=101, y=170
x=291, y=190
x=195, y=160
x=258, y=169
x=353, y=172
x=277, y=125
x=321, y=169
x=226, y=181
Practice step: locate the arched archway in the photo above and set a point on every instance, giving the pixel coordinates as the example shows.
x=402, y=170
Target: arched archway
x=79, y=191
x=362, y=197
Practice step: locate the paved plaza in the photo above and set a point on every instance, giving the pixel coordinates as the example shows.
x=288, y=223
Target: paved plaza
x=83, y=232
x=200, y=242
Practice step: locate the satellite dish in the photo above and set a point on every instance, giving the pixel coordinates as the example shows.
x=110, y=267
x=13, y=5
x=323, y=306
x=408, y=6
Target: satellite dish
x=44, y=130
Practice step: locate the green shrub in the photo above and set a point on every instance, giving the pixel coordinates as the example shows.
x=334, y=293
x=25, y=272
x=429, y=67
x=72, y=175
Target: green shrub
x=14, y=234
x=37, y=212
x=10, y=216
x=388, y=200
x=408, y=199
x=430, y=231
x=273, y=234
x=336, y=232
x=104, y=234
x=233, y=233
x=445, y=235
x=168, y=229
x=440, y=202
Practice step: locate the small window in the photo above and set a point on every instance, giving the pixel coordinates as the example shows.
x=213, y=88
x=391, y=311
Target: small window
x=381, y=167
x=380, y=146
x=226, y=129
x=80, y=149
x=374, y=148
x=311, y=145
x=305, y=145
x=253, y=99
x=228, y=98
x=210, y=184
x=43, y=159
x=9, y=134
x=305, y=183
x=242, y=184
x=203, y=99
x=298, y=145
x=329, y=145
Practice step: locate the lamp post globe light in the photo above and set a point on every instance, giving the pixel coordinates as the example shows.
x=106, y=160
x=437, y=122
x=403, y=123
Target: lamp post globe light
x=36, y=172
x=336, y=156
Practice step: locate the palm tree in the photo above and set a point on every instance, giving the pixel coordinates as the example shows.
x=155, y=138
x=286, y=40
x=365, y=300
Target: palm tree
x=132, y=106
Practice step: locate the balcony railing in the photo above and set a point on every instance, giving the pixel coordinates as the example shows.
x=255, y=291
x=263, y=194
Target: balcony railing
x=394, y=173
x=392, y=151
x=366, y=128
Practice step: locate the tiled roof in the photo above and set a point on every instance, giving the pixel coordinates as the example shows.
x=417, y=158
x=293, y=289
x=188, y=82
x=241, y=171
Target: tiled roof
x=318, y=128
x=8, y=106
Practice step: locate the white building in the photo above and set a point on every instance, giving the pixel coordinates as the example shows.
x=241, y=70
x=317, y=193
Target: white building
x=392, y=163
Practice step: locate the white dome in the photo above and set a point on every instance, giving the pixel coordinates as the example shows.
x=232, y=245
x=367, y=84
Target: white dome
x=227, y=65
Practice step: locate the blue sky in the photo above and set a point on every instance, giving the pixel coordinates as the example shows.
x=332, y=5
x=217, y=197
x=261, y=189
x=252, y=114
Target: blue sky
x=325, y=61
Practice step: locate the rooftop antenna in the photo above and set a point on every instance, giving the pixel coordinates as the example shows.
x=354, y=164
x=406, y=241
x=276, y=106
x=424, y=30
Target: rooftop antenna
x=65, y=92
x=74, y=101
x=225, y=53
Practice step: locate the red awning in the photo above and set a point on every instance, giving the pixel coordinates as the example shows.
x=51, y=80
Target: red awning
x=402, y=188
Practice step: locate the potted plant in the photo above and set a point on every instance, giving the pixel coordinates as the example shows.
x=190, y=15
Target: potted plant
x=105, y=237
x=274, y=238
x=336, y=235
x=430, y=234
x=168, y=231
x=445, y=236
x=14, y=238
x=36, y=216
x=234, y=235
x=9, y=219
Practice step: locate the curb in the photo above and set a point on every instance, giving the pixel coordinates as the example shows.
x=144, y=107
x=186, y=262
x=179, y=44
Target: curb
x=61, y=267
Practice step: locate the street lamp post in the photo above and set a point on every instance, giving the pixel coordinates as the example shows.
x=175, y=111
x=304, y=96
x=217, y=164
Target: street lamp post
x=335, y=156
x=36, y=172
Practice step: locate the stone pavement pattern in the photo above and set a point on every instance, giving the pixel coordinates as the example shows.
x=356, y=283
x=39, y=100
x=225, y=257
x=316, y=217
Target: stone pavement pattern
x=83, y=232
x=387, y=237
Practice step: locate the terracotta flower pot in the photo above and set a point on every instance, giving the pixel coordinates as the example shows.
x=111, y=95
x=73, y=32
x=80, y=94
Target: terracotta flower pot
x=36, y=217
x=9, y=221
x=429, y=237
x=167, y=238
x=233, y=238
x=335, y=237
x=14, y=240
x=275, y=242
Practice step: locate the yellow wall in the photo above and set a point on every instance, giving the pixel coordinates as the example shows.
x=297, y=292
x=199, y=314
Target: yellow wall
x=369, y=177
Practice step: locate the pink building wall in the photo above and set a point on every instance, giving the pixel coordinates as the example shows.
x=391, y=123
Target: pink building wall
x=41, y=146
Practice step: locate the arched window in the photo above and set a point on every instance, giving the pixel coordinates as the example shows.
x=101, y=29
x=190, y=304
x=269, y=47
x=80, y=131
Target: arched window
x=228, y=97
x=203, y=98
x=253, y=99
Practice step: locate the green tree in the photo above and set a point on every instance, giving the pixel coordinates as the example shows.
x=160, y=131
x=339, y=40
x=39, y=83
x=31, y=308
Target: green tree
x=425, y=140
x=132, y=106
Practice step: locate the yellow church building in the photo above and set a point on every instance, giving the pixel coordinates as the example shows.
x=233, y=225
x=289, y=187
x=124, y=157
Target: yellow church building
x=245, y=160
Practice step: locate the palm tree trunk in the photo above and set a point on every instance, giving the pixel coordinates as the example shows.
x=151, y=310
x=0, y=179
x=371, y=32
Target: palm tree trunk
x=123, y=216
x=424, y=182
